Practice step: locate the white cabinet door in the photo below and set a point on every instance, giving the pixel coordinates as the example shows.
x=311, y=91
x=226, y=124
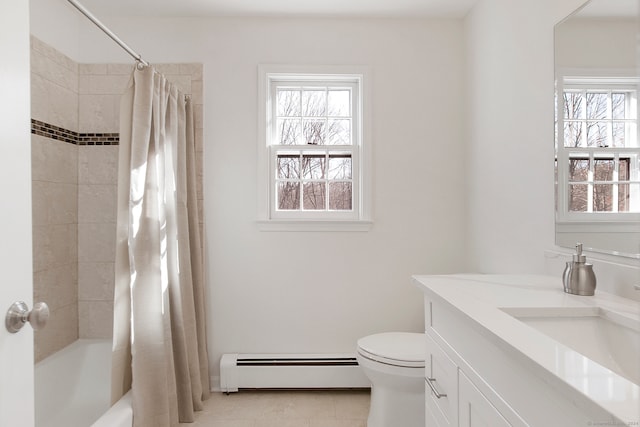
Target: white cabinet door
x=475, y=410
x=430, y=419
x=16, y=350
x=441, y=385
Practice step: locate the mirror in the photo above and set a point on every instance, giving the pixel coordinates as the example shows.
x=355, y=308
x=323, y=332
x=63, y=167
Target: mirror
x=597, y=148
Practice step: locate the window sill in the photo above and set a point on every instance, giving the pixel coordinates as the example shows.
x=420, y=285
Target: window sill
x=313, y=225
x=601, y=226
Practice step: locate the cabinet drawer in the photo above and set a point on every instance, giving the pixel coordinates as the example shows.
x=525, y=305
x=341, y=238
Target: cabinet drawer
x=441, y=385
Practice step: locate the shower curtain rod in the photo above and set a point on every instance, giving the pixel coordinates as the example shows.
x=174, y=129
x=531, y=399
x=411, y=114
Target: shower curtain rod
x=107, y=31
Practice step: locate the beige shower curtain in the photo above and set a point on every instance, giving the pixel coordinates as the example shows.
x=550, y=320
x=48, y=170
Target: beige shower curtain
x=159, y=344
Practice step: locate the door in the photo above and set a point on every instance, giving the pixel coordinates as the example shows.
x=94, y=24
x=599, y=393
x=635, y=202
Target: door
x=16, y=350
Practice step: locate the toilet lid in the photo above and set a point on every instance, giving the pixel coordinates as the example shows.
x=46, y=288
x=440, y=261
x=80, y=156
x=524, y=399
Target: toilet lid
x=395, y=348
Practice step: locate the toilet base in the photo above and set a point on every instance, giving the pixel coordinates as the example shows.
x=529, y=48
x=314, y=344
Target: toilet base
x=394, y=408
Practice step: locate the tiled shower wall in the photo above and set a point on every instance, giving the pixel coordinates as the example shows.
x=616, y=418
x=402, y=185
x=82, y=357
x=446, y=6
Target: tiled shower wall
x=54, y=170
x=75, y=115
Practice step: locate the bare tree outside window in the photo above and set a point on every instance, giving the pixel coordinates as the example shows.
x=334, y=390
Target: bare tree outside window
x=314, y=179
x=597, y=119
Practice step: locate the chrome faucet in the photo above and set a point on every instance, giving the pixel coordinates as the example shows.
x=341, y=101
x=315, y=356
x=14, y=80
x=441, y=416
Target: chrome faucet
x=578, y=277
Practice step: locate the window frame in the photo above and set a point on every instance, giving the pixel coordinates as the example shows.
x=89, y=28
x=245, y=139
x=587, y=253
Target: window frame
x=592, y=79
x=357, y=219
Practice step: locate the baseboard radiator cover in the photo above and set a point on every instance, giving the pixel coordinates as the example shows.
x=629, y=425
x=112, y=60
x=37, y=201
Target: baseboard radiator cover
x=290, y=371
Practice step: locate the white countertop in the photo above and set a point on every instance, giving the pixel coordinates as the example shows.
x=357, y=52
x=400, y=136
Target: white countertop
x=482, y=299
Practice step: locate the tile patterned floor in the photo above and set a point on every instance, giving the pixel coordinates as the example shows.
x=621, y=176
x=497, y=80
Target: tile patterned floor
x=285, y=409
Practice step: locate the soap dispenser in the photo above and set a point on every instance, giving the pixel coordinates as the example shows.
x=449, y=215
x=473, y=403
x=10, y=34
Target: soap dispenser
x=578, y=277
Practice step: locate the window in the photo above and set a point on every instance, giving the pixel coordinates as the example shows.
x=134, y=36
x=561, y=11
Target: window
x=598, y=151
x=313, y=157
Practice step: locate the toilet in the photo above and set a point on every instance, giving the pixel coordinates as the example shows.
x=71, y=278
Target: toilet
x=394, y=363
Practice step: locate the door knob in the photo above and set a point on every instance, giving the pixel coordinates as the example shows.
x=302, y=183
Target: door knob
x=19, y=314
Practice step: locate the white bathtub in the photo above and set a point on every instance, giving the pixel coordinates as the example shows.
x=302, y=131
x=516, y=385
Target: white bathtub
x=72, y=388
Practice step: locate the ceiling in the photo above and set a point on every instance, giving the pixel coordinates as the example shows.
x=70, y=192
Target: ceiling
x=297, y=8
x=609, y=9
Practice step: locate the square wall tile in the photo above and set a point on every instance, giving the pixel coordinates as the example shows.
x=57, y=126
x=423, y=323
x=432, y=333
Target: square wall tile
x=54, y=203
x=99, y=113
x=54, y=245
x=98, y=164
x=61, y=330
x=97, y=203
x=57, y=286
x=92, y=69
x=95, y=319
x=53, y=161
x=96, y=281
x=53, y=104
x=97, y=242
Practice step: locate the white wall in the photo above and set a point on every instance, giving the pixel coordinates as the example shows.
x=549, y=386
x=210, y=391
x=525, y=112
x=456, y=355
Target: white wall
x=510, y=145
x=57, y=23
x=511, y=102
x=320, y=292
x=596, y=43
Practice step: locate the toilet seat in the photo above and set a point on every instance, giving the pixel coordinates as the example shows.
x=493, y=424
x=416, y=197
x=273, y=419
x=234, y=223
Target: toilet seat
x=403, y=349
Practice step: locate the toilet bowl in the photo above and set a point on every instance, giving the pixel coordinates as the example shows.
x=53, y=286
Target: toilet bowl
x=394, y=364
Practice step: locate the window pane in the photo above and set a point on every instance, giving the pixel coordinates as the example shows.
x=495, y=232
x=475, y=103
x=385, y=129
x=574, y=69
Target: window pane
x=313, y=166
x=578, y=196
x=339, y=102
x=578, y=169
x=618, y=134
x=602, y=198
x=314, y=102
x=340, y=196
x=289, y=132
x=288, y=102
x=623, y=197
x=623, y=169
x=313, y=131
x=314, y=195
x=597, y=134
x=340, y=166
x=288, y=167
x=618, y=106
x=573, y=105
x=603, y=169
x=289, y=195
x=572, y=134
x=339, y=132
x=628, y=197
x=597, y=105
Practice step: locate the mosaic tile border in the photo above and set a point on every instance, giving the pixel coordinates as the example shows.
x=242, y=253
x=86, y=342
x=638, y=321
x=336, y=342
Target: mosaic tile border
x=61, y=134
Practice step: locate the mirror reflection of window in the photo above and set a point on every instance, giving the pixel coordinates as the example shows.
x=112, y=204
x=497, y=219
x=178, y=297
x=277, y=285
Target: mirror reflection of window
x=600, y=123
x=597, y=149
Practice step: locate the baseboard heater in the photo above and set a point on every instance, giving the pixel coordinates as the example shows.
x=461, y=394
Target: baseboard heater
x=290, y=371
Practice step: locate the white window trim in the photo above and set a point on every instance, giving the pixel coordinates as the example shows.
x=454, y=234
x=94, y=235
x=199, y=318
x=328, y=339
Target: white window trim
x=606, y=221
x=266, y=222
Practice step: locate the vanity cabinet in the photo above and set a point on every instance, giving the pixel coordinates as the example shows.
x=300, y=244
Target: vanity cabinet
x=473, y=378
x=441, y=386
x=475, y=409
x=452, y=400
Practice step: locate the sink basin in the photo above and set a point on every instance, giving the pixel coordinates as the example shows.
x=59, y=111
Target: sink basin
x=609, y=338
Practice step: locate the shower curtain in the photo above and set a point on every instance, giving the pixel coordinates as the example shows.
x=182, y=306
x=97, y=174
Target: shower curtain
x=159, y=339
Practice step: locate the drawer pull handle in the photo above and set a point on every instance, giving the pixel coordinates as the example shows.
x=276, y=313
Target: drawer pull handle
x=436, y=393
